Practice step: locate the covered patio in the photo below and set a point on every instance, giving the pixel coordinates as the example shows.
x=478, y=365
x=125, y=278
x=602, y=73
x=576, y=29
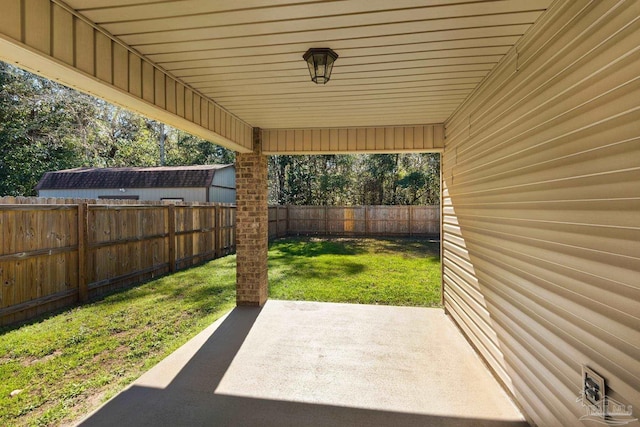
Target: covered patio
x=534, y=107
x=318, y=364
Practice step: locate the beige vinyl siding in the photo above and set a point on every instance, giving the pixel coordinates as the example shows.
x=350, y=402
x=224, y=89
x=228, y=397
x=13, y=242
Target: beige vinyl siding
x=541, y=220
x=400, y=62
x=388, y=139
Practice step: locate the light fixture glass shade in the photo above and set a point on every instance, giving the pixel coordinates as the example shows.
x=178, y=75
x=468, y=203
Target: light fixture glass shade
x=320, y=62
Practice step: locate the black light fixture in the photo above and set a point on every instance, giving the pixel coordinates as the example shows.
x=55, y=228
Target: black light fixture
x=320, y=62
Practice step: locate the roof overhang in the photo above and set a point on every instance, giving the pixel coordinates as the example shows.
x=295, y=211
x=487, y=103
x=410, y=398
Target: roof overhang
x=217, y=68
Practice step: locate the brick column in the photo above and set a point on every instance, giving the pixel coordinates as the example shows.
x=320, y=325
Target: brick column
x=252, y=225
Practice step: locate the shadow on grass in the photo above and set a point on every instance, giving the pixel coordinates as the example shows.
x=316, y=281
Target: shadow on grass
x=196, y=285
x=203, y=286
x=312, y=246
x=303, y=270
x=391, y=270
x=409, y=247
x=204, y=290
x=315, y=246
x=5, y=329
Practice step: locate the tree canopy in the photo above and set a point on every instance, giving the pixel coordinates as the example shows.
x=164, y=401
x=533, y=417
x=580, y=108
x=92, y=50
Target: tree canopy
x=347, y=179
x=45, y=126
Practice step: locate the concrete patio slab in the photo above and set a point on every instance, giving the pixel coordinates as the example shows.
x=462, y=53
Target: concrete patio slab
x=318, y=364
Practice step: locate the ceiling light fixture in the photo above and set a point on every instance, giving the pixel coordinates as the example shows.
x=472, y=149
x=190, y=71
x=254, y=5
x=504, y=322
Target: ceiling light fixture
x=320, y=62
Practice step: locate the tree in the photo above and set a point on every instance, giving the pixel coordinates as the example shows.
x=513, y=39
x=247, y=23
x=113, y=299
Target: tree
x=183, y=148
x=35, y=131
x=419, y=179
x=354, y=180
x=45, y=126
x=415, y=182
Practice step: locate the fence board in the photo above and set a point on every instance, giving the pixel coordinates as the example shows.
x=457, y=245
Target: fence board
x=47, y=255
x=361, y=220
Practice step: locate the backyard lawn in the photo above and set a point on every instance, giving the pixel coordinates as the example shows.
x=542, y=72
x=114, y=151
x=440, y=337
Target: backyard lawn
x=364, y=271
x=56, y=369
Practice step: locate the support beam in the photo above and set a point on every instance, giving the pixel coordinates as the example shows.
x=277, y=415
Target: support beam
x=386, y=139
x=48, y=38
x=252, y=225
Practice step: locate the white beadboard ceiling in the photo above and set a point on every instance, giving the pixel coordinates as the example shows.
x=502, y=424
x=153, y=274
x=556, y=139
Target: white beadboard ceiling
x=401, y=62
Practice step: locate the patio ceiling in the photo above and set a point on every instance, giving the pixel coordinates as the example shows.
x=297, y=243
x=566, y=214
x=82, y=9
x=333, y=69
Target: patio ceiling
x=401, y=62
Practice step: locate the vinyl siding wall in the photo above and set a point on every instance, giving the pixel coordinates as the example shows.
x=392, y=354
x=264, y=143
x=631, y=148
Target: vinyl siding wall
x=225, y=177
x=188, y=194
x=222, y=195
x=223, y=187
x=387, y=139
x=541, y=221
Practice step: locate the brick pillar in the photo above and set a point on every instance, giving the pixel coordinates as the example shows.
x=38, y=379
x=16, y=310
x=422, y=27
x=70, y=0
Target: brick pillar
x=252, y=225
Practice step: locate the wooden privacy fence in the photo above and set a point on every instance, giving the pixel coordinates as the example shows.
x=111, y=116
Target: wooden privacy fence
x=278, y=221
x=58, y=251
x=355, y=220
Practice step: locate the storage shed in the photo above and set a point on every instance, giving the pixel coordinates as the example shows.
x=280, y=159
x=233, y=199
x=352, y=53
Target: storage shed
x=206, y=183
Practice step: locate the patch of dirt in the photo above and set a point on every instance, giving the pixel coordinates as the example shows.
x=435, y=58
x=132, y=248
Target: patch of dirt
x=28, y=361
x=113, y=356
x=6, y=359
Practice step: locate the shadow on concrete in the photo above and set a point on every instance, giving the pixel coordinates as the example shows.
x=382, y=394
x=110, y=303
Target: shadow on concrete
x=189, y=396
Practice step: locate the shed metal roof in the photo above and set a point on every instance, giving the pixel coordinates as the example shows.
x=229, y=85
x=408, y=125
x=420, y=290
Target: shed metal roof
x=150, y=177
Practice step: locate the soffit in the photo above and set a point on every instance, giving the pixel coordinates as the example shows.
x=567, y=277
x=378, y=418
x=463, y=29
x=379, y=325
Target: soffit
x=401, y=62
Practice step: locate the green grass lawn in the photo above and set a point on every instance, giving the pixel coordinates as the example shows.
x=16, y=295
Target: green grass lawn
x=69, y=363
x=364, y=271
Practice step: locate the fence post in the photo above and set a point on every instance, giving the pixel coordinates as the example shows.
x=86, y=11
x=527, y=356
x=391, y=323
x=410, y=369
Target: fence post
x=216, y=233
x=410, y=222
x=172, y=237
x=288, y=222
x=284, y=228
x=221, y=230
x=83, y=248
x=326, y=221
x=366, y=220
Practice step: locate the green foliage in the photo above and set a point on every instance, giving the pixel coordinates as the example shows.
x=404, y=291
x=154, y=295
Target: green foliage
x=368, y=179
x=45, y=126
x=35, y=131
x=186, y=149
